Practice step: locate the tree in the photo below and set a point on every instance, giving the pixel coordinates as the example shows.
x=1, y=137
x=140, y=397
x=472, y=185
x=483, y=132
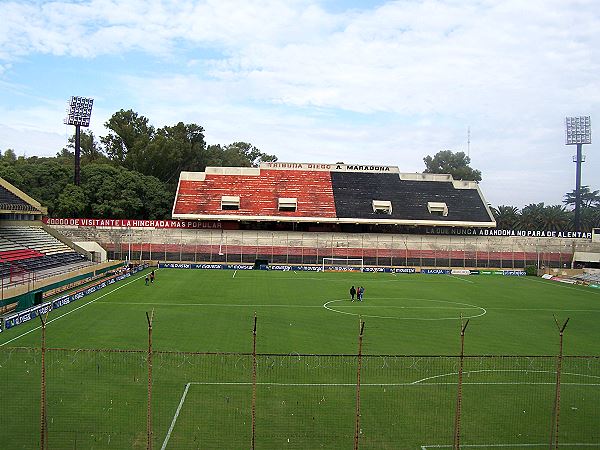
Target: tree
x=128, y=132
x=9, y=156
x=588, y=199
x=91, y=150
x=172, y=150
x=71, y=202
x=507, y=217
x=120, y=193
x=590, y=218
x=532, y=216
x=41, y=178
x=456, y=164
x=555, y=218
x=245, y=154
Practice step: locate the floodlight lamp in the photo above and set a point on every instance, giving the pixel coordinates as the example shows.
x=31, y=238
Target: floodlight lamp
x=79, y=111
x=578, y=130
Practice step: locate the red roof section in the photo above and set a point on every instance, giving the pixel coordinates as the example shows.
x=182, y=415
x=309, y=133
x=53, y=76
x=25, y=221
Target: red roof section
x=259, y=194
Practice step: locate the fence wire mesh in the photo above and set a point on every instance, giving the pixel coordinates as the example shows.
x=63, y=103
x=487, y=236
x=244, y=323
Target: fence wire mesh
x=97, y=399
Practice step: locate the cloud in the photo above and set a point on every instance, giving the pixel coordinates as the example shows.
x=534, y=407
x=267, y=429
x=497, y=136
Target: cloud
x=387, y=84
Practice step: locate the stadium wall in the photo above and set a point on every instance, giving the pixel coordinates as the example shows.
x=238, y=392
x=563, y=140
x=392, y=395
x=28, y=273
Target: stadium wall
x=288, y=247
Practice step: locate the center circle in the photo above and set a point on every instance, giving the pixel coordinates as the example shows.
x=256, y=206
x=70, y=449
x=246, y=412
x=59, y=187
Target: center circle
x=362, y=308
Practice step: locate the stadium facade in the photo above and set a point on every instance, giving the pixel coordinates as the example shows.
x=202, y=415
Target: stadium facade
x=300, y=213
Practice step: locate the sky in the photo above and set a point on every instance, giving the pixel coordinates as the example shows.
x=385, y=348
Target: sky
x=363, y=82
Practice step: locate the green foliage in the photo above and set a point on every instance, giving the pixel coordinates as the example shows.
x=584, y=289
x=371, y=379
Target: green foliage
x=9, y=156
x=531, y=271
x=588, y=199
x=245, y=154
x=91, y=150
x=537, y=216
x=71, y=202
x=106, y=190
x=131, y=172
x=119, y=193
x=44, y=179
x=507, y=217
x=172, y=150
x=128, y=132
x=456, y=164
x=164, y=153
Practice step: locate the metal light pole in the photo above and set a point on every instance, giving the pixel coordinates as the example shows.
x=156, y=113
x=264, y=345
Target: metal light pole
x=578, y=132
x=79, y=111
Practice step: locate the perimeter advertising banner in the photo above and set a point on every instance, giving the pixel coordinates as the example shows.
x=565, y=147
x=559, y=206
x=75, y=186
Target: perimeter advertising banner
x=205, y=266
x=436, y=271
x=33, y=312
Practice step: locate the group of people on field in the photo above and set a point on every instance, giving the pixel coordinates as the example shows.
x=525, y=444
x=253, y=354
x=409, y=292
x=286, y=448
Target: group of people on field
x=358, y=292
x=150, y=278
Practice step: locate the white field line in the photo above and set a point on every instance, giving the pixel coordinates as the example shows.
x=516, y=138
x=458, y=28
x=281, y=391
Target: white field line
x=503, y=370
x=341, y=278
x=181, y=401
x=215, y=304
x=327, y=306
x=342, y=306
x=353, y=385
x=234, y=272
x=455, y=277
x=564, y=285
x=412, y=384
x=73, y=310
x=425, y=447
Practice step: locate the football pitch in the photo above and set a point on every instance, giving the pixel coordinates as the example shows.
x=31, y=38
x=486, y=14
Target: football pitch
x=306, y=368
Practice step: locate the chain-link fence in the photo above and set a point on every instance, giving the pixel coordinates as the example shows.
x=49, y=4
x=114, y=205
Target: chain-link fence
x=98, y=399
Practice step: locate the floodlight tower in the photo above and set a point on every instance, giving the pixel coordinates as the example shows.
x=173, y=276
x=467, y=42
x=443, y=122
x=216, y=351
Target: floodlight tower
x=578, y=132
x=79, y=112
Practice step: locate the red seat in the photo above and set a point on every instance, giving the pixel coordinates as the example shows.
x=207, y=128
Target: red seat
x=259, y=194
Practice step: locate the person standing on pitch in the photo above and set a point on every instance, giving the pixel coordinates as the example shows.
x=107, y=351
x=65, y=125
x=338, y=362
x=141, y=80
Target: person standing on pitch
x=352, y=293
x=146, y=279
x=152, y=277
x=361, y=291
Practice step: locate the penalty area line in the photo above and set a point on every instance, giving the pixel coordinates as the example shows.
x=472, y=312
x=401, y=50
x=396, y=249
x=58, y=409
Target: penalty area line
x=177, y=411
x=454, y=277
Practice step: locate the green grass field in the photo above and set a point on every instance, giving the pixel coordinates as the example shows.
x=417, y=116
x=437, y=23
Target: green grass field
x=307, y=339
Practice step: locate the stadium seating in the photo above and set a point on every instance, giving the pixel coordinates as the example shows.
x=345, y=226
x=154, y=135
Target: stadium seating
x=588, y=277
x=9, y=200
x=34, y=238
x=355, y=191
x=335, y=193
x=259, y=195
x=30, y=248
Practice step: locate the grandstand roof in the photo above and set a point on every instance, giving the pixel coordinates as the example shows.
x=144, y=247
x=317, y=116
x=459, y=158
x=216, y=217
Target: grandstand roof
x=13, y=199
x=330, y=193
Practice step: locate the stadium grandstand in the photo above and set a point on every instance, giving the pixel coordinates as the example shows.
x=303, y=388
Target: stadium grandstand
x=32, y=255
x=302, y=213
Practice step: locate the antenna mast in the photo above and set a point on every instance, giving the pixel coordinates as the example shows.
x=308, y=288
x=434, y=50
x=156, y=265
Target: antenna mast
x=469, y=142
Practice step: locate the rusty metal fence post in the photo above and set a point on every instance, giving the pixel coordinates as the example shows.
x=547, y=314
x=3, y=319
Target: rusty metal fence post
x=358, y=371
x=463, y=327
x=43, y=416
x=253, y=384
x=149, y=318
x=556, y=411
